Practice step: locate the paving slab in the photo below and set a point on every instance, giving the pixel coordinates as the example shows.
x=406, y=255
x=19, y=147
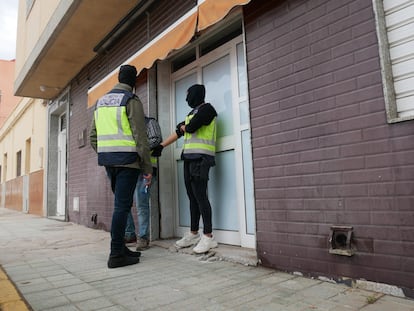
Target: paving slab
x=59, y=266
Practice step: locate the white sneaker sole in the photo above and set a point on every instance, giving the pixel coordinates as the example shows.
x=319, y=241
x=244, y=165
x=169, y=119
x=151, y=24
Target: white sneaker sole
x=201, y=251
x=187, y=245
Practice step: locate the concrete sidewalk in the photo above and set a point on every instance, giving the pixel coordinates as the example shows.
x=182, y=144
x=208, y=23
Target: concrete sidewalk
x=62, y=266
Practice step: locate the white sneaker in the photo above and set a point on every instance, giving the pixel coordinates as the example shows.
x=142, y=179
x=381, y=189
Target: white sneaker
x=188, y=240
x=205, y=244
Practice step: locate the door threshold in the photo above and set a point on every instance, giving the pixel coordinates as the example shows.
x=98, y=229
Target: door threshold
x=230, y=253
x=60, y=218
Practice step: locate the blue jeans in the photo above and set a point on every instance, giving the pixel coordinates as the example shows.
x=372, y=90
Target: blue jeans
x=123, y=181
x=142, y=202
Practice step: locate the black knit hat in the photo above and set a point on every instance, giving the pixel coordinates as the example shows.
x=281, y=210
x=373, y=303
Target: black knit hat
x=128, y=75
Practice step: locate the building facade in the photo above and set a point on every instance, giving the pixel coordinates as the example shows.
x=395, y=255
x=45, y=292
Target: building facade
x=314, y=163
x=22, y=147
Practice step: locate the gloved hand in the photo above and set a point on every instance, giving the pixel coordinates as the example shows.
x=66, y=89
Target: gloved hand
x=157, y=150
x=178, y=130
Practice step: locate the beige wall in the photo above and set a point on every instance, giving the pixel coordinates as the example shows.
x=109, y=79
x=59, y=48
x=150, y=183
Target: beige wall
x=7, y=101
x=31, y=26
x=28, y=121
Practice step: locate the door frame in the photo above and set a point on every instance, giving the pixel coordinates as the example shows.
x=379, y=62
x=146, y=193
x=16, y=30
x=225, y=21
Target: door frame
x=233, y=142
x=62, y=168
x=56, y=108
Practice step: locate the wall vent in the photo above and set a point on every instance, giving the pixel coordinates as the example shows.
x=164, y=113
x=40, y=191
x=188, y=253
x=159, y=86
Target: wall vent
x=340, y=241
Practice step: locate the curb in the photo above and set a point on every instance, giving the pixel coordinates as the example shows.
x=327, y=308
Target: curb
x=10, y=298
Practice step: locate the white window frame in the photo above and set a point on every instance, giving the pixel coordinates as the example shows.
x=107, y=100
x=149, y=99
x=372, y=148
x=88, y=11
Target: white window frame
x=390, y=98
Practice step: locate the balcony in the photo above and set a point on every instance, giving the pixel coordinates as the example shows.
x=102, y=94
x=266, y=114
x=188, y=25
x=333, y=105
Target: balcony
x=56, y=42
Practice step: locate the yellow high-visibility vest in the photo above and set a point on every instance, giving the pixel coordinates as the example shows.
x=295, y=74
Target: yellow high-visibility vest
x=115, y=143
x=154, y=161
x=203, y=141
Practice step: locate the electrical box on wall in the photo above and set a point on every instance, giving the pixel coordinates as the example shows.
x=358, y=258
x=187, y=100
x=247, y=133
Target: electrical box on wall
x=76, y=204
x=82, y=138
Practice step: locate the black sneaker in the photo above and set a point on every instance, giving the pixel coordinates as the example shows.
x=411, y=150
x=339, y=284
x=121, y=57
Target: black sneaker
x=121, y=261
x=128, y=252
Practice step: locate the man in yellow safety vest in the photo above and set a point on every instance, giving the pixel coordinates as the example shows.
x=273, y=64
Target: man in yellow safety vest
x=118, y=135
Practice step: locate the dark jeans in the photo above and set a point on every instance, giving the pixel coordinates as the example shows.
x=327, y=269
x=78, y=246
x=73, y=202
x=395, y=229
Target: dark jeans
x=196, y=178
x=123, y=181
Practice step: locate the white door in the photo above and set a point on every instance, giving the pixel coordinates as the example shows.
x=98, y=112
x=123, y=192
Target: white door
x=230, y=188
x=61, y=187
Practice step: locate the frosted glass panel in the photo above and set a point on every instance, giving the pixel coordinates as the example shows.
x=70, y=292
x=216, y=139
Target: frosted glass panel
x=216, y=77
x=241, y=71
x=242, y=78
x=222, y=192
x=248, y=183
x=244, y=113
x=181, y=106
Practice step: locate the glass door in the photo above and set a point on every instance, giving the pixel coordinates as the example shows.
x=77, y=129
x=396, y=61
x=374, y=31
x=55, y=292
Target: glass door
x=230, y=186
x=61, y=180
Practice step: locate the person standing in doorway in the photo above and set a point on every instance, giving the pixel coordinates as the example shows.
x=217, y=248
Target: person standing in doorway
x=198, y=154
x=119, y=137
x=143, y=193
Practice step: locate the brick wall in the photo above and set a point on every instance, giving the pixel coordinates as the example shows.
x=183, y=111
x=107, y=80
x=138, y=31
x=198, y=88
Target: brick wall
x=323, y=152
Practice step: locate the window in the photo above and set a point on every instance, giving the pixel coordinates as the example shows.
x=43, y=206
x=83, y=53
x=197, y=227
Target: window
x=183, y=59
x=212, y=42
x=18, y=163
x=395, y=30
x=220, y=38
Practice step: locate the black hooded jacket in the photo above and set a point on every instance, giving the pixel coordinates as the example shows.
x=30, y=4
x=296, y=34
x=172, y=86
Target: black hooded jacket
x=203, y=113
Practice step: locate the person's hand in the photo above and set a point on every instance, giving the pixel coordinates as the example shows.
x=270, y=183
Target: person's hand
x=157, y=150
x=180, y=124
x=148, y=179
x=178, y=129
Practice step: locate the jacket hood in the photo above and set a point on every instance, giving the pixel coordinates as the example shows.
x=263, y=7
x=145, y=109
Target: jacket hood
x=195, y=95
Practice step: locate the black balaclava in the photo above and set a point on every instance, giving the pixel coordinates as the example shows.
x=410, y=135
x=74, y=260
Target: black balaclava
x=195, y=95
x=128, y=75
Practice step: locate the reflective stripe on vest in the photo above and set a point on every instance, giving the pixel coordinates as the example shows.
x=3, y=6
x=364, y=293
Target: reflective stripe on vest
x=203, y=141
x=112, y=126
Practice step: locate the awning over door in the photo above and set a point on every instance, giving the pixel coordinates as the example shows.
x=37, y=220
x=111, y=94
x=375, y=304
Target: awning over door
x=211, y=12
x=175, y=37
x=172, y=38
